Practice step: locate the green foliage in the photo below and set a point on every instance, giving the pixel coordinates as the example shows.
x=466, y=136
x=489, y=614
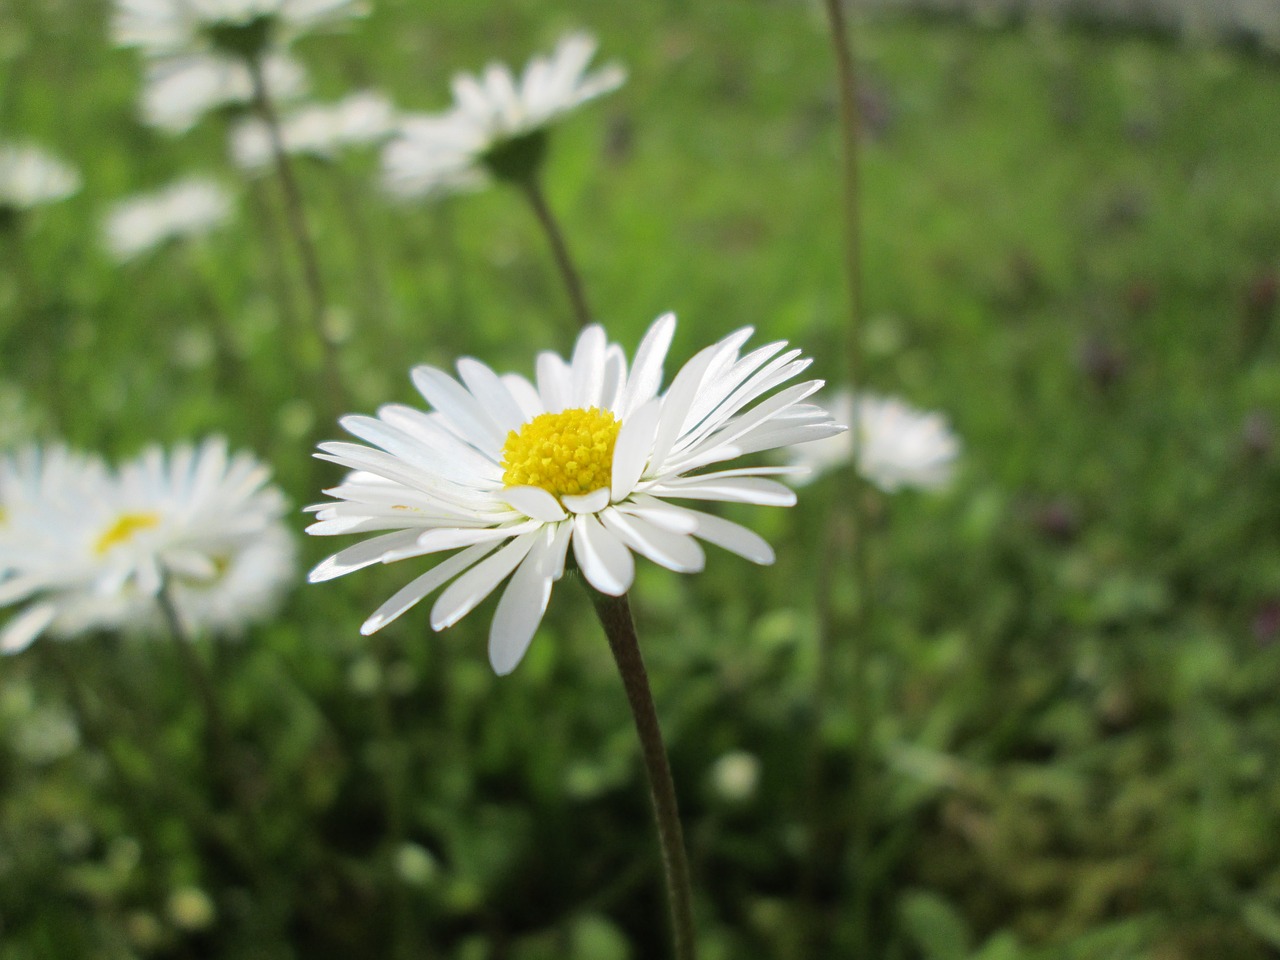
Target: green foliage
x=1072, y=245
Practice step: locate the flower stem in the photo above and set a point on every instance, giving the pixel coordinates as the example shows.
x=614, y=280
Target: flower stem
x=532, y=189
x=847, y=78
x=615, y=617
x=296, y=217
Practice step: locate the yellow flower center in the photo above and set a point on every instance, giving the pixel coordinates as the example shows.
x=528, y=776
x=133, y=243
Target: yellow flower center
x=4, y=516
x=567, y=453
x=124, y=529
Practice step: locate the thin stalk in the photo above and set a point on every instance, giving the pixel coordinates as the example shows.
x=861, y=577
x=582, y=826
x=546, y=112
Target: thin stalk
x=219, y=739
x=229, y=366
x=859, y=645
x=277, y=272
x=532, y=191
x=615, y=617
x=297, y=220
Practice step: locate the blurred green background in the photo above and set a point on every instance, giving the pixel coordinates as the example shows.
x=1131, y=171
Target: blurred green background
x=1072, y=249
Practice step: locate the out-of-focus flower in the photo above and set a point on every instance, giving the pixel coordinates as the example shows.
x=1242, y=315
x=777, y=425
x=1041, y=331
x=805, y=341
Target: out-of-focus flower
x=735, y=776
x=319, y=130
x=510, y=474
x=189, y=208
x=497, y=125
x=898, y=446
x=244, y=28
x=190, y=908
x=84, y=548
x=202, y=54
x=30, y=177
x=178, y=91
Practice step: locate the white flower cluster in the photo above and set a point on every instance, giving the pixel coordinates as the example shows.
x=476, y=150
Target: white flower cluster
x=83, y=547
x=30, y=177
x=461, y=148
x=189, y=208
x=201, y=54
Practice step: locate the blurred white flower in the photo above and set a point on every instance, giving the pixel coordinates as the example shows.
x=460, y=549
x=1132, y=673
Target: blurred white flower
x=30, y=177
x=178, y=91
x=510, y=474
x=85, y=549
x=188, y=208
x=240, y=27
x=735, y=776
x=899, y=446
x=496, y=123
x=320, y=130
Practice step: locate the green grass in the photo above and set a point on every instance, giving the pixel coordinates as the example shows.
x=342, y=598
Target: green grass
x=1075, y=721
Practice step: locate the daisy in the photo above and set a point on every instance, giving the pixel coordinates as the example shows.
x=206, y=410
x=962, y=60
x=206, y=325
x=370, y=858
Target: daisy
x=94, y=550
x=188, y=208
x=245, y=28
x=497, y=124
x=510, y=474
x=178, y=91
x=899, y=446
x=30, y=177
x=319, y=130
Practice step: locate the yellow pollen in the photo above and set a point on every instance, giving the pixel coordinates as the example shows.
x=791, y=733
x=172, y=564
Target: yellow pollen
x=123, y=530
x=4, y=516
x=567, y=453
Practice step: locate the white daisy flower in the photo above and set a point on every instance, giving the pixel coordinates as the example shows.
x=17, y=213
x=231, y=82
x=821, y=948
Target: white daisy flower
x=96, y=548
x=188, y=208
x=30, y=177
x=509, y=474
x=320, y=130
x=178, y=91
x=241, y=27
x=899, y=446
x=495, y=125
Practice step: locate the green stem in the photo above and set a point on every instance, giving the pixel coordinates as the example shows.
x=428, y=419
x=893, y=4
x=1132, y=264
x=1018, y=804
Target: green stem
x=532, y=191
x=297, y=220
x=847, y=78
x=615, y=617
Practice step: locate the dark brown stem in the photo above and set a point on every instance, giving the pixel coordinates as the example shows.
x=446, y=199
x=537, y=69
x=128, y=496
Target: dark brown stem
x=297, y=220
x=860, y=642
x=615, y=617
x=532, y=190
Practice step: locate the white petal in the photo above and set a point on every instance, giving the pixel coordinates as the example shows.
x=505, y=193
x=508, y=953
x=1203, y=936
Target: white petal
x=461, y=409
x=409, y=595
x=521, y=607
x=533, y=502
x=552, y=562
x=450, y=538
x=675, y=551
x=646, y=372
x=668, y=516
x=588, y=367
x=525, y=395
x=461, y=596
x=604, y=560
x=757, y=490
x=592, y=502
x=555, y=384
x=488, y=388
x=361, y=555
x=20, y=632
x=631, y=449
x=733, y=537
